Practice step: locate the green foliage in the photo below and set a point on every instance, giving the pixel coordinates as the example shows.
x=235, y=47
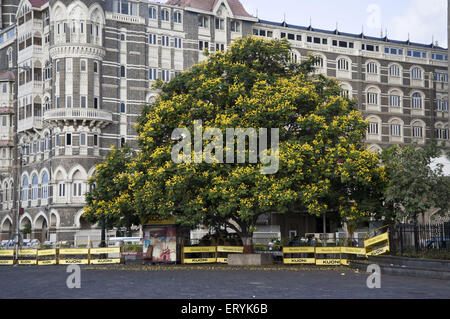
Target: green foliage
x=107, y=186
x=324, y=167
x=414, y=188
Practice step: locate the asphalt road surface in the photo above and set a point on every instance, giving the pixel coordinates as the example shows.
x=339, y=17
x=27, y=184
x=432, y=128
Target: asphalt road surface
x=211, y=282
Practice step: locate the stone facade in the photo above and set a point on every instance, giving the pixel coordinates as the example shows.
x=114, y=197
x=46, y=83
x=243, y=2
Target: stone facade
x=83, y=70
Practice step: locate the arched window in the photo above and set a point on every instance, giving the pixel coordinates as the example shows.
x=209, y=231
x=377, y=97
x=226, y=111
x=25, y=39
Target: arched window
x=417, y=101
x=152, y=13
x=177, y=17
x=45, y=186
x=25, y=188
x=373, y=96
x=395, y=99
x=418, y=129
x=34, y=188
x=165, y=15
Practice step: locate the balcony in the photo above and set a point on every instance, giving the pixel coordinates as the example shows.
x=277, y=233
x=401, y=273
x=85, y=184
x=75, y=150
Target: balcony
x=91, y=117
x=29, y=123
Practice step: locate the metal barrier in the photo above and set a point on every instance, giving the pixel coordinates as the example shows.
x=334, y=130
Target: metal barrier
x=47, y=257
x=190, y=255
x=99, y=259
x=7, y=257
x=74, y=256
x=323, y=253
x=351, y=253
x=379, y=244
x=299, y=255
x=225, y=250
x=27, y=256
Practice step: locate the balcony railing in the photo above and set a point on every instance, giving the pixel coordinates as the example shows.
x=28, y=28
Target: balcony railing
x=81, y=114
x=30, y=123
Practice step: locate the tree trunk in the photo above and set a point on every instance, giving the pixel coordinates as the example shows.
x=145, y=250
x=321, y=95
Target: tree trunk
x=248, y=245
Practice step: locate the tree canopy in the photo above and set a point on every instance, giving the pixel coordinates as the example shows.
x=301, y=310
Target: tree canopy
x=323, y=164
x=414, y=187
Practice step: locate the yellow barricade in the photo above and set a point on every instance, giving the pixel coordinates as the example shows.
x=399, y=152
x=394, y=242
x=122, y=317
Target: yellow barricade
x=47, y=257
x=323, y=260
x=345, y=251
x=81, y=253
x=105, y=251
x=27, y=256
x=7, y=257
x=299, y=255
x=210, y=253
x=223, y=251
x=377, y=245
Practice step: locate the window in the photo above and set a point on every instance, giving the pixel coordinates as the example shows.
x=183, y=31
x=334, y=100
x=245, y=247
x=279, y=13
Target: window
x=152, y=74
x=417, y=54
x=76, y=187
x=165, y=75
x=152, y=39
x=122, y=108
x=417, y=101
x=165, y=41
x=343, y=65
x=220, y=47
x=152, y=13
x=45, y=186
x=125, y=7
x=372, y=68
x=34, y=187
x=235, y=26
x=370, y=47
x=394, y=70
x=220, y=24
x=372, y=98
x=47, y=142
x=69, y=63
x=25, y=189
x=56, y=139
x=165, y=15
x=395, y=101
x=95, y=140
x=122, y=71
x=83, y=139
x=439, y=57
x=417, y=131
x=58, y=66
x=81, y=27
x=395, y=130
x=203, y=45
x=416, y=73
x=58, y=102
x=83, y=65
x=83, y=100
x=95, y=67
x=178, y=43
x=177, y=17
x=61, y=189
x=95, y=102
x=203, y=22
x=69, y=101
x=69, y=139
x=373, y=128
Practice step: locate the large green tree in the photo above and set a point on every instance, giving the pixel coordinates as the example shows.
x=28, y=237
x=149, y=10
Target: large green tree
x=323, y=164
x=414, y=186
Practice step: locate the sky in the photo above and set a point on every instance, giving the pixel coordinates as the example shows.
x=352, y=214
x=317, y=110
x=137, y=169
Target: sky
x=423, y=20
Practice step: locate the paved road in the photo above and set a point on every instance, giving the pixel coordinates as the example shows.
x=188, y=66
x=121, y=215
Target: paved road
x=211, y=283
